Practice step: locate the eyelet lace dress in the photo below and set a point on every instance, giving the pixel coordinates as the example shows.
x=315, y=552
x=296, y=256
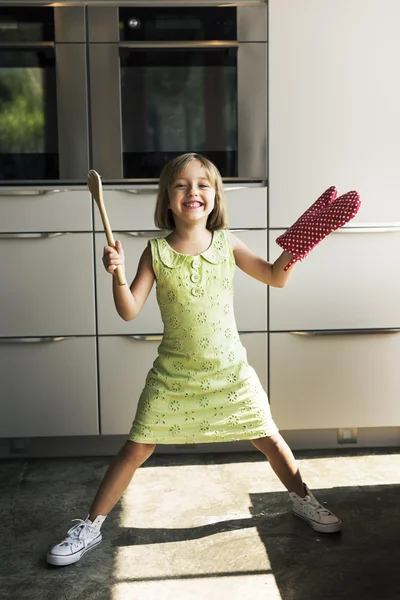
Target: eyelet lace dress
x=201, y=387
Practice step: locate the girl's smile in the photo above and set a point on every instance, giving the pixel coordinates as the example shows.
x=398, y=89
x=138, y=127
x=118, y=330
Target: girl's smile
x=192, y=195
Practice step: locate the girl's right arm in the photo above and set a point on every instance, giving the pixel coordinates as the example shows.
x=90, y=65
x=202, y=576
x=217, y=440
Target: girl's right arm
x=129, y=301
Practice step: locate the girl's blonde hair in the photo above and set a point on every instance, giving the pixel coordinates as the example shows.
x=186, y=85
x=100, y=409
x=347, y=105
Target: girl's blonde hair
x=163, y=217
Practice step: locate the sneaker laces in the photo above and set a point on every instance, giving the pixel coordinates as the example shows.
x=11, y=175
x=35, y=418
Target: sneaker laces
x=77, y=533
x=313, y=502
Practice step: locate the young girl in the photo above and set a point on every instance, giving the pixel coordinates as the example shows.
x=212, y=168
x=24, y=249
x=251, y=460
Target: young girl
x=201, y=387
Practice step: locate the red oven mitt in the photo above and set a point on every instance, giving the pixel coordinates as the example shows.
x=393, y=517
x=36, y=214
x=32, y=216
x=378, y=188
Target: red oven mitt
x=327, y=214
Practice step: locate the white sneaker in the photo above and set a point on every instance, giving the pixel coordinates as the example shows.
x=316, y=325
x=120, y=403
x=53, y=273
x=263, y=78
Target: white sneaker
x=320, y=518
x=82, y=537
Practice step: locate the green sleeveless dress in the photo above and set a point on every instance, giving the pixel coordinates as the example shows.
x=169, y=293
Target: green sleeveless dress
x=201, y=387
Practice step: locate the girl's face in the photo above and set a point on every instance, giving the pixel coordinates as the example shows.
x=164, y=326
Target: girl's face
x=191, y=196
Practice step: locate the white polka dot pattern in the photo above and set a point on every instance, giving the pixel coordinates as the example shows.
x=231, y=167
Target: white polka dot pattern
x=326, y=215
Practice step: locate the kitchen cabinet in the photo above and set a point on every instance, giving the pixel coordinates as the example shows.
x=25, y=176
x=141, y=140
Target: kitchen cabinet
x=124, y=362
x=347, y=282
x=47, y=284
x=335, y=380
x=334, y=95
x=48, y=387
x=45, y=210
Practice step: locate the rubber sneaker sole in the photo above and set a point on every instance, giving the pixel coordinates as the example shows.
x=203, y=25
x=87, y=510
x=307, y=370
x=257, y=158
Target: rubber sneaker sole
x=329, y=528
x=59, y=560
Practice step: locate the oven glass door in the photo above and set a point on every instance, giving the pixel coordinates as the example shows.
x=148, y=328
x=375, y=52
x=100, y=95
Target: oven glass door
x=28, y=114
x=175, y=101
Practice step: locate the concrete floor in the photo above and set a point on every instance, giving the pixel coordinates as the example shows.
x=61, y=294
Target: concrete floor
x=205, y=527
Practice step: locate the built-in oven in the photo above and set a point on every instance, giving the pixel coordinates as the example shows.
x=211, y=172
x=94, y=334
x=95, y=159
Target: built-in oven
x=165, y=80
x=43, y=93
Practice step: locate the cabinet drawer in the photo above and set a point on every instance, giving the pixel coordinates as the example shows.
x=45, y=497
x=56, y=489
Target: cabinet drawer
x=247, y=207
x=124, y=363
x=250, y=295
x=30, y=210
x=130, y=211
x=332, y=381
x=47, y=285
x=346, y=282
x=49, y=387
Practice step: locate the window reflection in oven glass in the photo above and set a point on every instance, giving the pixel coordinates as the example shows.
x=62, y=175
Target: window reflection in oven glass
x=28, y=114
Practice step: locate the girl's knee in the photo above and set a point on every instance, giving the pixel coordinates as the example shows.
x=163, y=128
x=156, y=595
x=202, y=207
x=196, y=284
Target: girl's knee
x=137, y=451
x=270, y=445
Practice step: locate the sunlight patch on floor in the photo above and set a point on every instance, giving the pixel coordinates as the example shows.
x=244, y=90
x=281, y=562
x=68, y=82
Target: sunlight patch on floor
x=246, y=587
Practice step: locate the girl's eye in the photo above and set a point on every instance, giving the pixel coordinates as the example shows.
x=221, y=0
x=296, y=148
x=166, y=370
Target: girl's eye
x=205, y=185
x=180, y=185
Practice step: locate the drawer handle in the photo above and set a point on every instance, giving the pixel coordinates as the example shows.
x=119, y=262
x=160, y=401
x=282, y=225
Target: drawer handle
x=35, y=340
x=146, y=234
x=148, y=191
x=156, y=45
x=147, y=338
x=31, y=236
x=30, y=193
x=371, y=228
x=332, y=332
x=27, y=45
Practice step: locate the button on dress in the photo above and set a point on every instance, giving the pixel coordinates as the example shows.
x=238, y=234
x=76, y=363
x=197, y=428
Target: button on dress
x=201, y=387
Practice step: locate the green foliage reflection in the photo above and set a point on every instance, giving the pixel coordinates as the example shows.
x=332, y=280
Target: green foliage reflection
x=21, y=110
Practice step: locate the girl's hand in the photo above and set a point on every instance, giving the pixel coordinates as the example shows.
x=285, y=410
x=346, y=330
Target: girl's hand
x=113, y=258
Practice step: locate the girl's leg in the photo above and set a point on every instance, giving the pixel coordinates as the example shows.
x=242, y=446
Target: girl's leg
x=305, y=505
x=282, y=461
x=118, y=476
x=86, y=534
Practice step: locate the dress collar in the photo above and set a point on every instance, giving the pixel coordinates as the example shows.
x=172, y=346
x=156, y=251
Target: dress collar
x=214, y=254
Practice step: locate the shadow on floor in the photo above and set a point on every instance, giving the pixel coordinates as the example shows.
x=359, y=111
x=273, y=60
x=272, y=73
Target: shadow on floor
x=40, y=496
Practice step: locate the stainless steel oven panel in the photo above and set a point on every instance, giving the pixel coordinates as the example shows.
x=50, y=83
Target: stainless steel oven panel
x=106, y=110
x=252, y=110
x=72, y=115
x=252, y=23
x=103, y=24
x=72, y=100
x=69, y=24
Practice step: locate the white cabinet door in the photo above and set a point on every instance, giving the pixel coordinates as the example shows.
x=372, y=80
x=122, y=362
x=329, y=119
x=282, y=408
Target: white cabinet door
x=250, y=295
x=124, y=363
x=134, y=210
x=128, y=210
x=109, y=322
x=48, y=387
x=47, y=285
x=27, y=210
x=334, y=96
x=349, y=281
x=250, y=298
x=340, y=380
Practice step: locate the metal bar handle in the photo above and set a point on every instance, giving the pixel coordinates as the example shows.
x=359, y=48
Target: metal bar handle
x=336, y=332
x=147, y=337
x=35, y=340
x=27, y=44
x=31, y=236
x=29, y=193
x=146, y=234
x=172, y=45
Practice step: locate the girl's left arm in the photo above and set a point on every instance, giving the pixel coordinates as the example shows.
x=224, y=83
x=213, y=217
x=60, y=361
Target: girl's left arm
x=259, y=268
